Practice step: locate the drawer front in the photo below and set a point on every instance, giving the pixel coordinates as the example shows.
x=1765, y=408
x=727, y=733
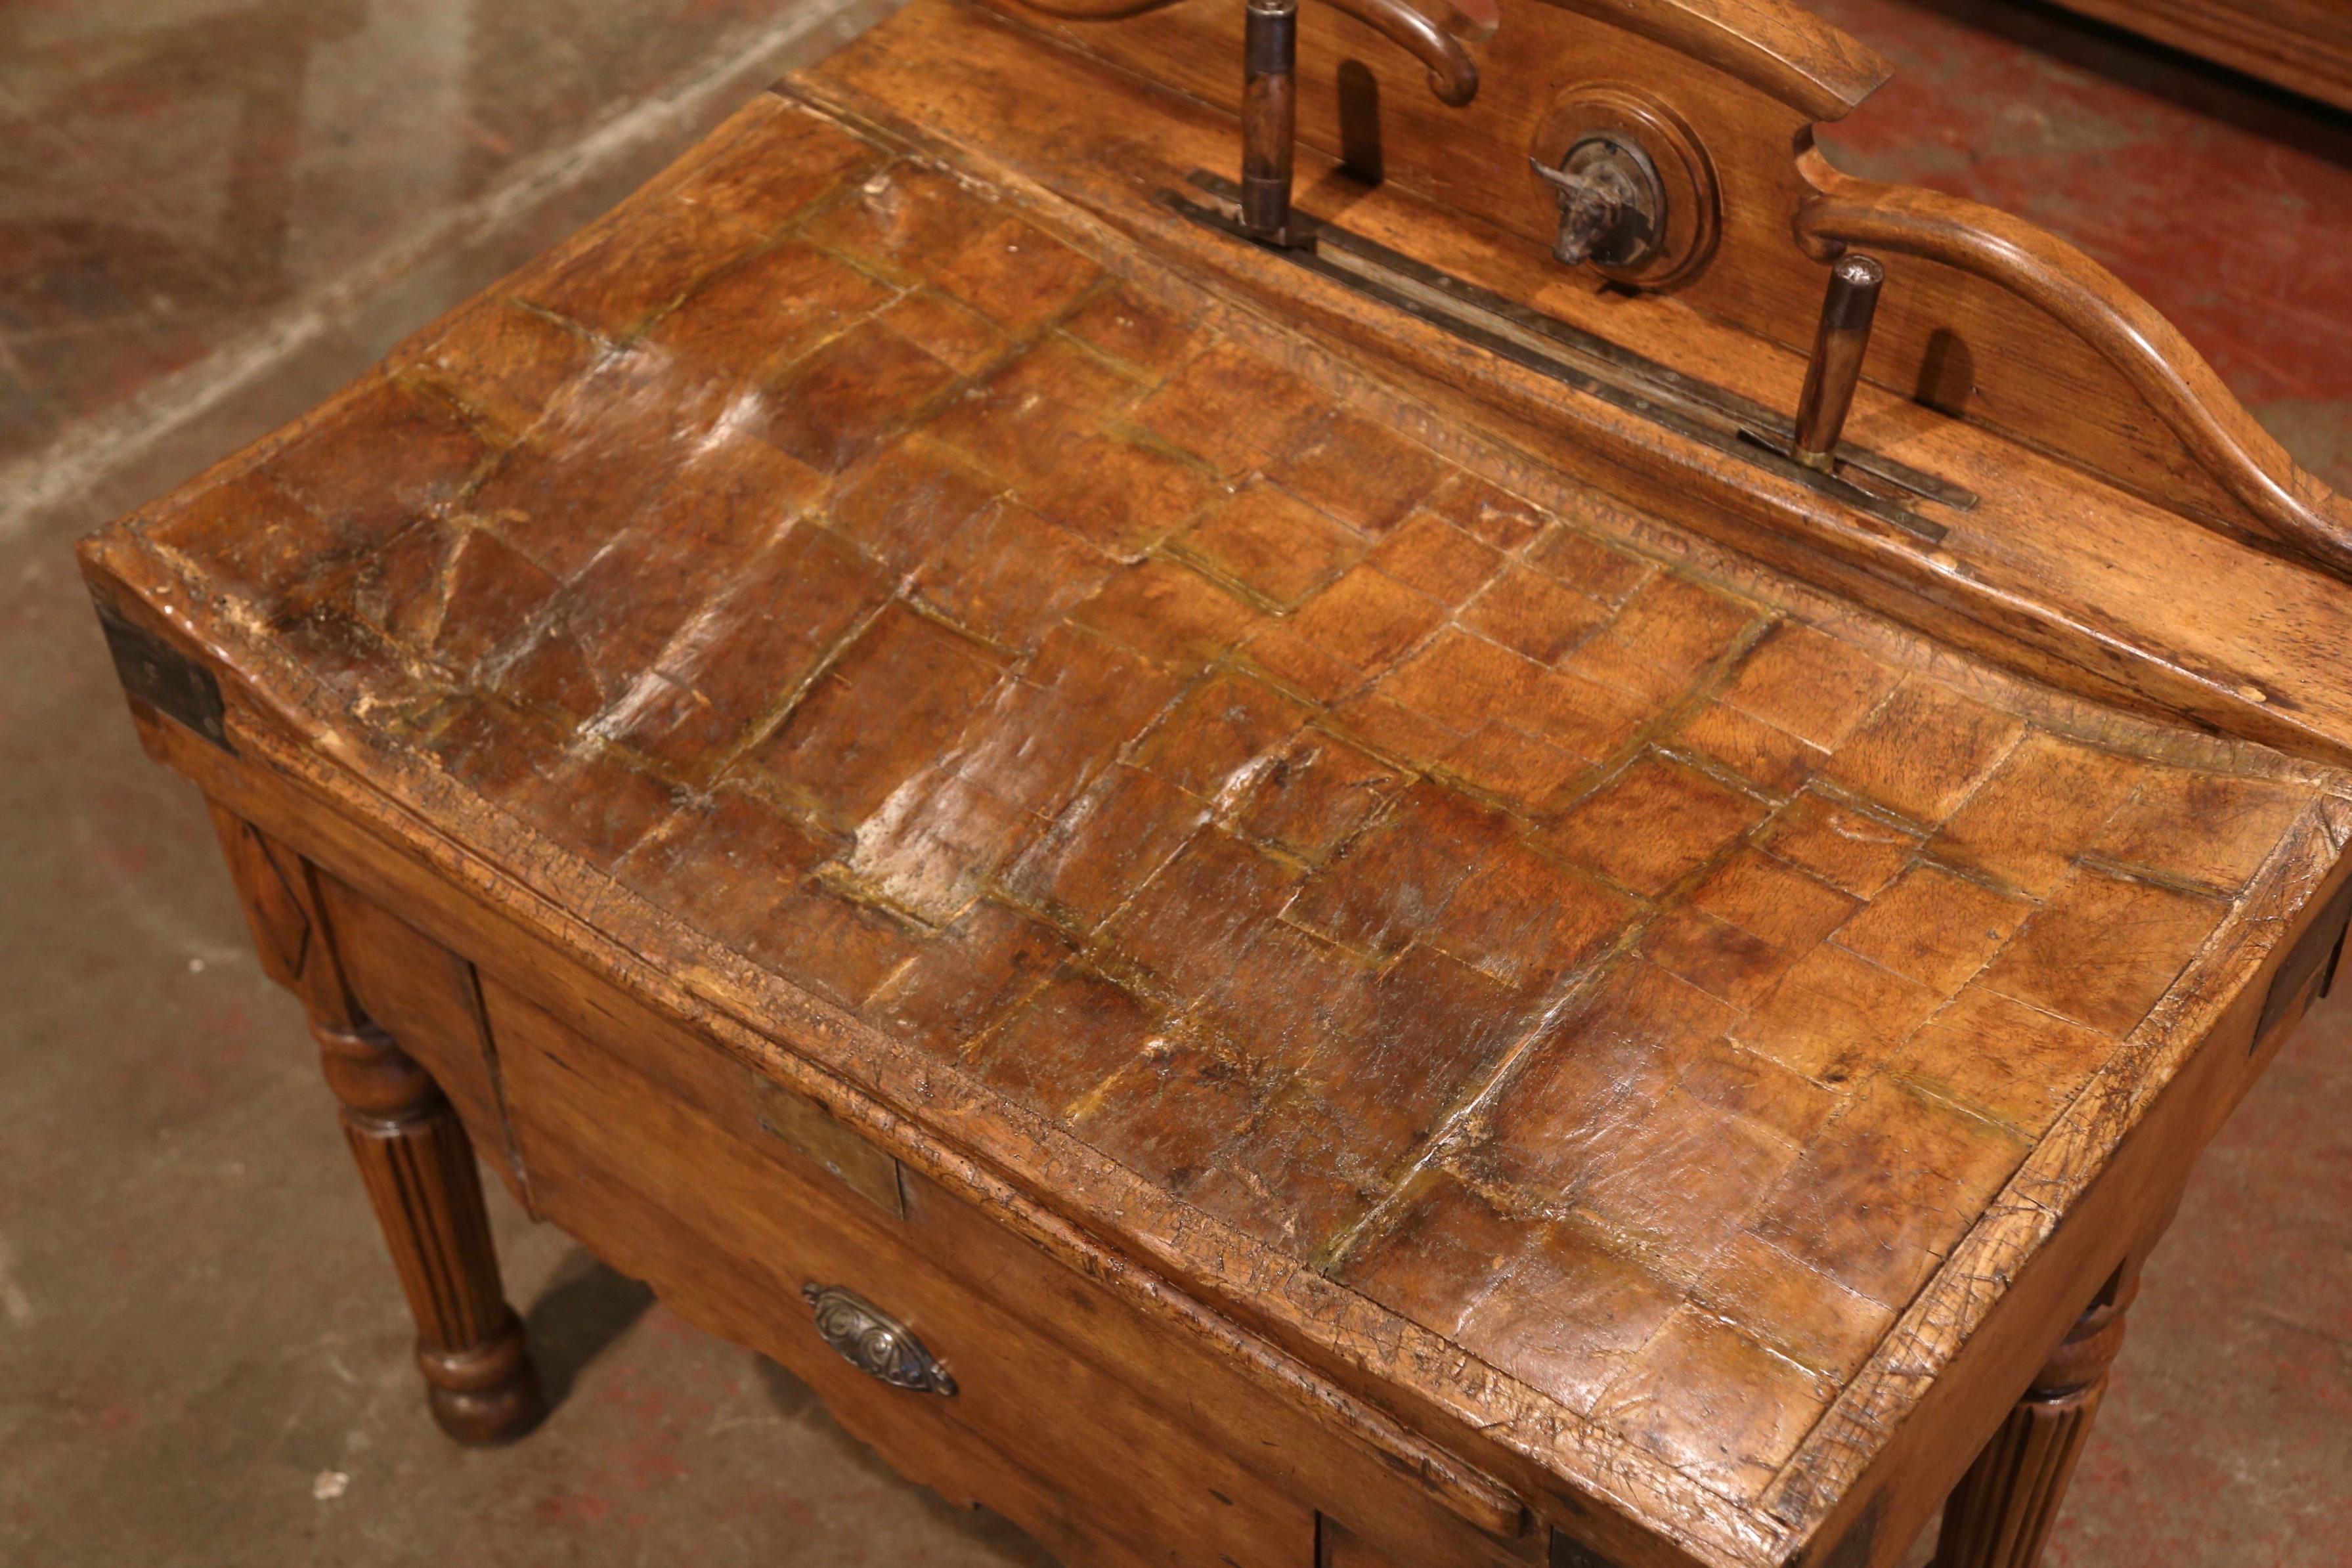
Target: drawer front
x=1108, y=1435
x=673, y=1194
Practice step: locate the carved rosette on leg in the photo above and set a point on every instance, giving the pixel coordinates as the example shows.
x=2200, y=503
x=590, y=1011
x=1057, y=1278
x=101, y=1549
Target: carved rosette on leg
x=2001, y=1514
x=418, y=1167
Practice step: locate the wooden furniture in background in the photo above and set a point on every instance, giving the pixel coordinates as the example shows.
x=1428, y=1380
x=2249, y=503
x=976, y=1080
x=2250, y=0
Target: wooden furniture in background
x=2305, y=46
x=1297, y=902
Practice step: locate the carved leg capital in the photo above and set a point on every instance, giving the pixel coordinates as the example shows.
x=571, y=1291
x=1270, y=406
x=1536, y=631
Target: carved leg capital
x=2001, y=1514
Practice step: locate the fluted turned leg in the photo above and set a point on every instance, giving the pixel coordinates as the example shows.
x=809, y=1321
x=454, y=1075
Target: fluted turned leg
x=413, y=1153
x=2001, y=1514
x=418, y=1166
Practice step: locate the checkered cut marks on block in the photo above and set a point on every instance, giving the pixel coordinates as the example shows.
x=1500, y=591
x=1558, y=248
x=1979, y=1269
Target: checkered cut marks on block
x=1443, y=891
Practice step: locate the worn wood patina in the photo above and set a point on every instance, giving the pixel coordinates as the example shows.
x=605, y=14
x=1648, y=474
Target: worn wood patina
x=1384, y=961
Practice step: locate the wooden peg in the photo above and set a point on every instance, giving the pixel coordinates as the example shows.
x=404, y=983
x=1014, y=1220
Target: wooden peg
x=1269, y=117
x=1839, y=345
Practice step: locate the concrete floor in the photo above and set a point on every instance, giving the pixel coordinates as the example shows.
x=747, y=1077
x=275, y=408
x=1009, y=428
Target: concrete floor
x=213, y=211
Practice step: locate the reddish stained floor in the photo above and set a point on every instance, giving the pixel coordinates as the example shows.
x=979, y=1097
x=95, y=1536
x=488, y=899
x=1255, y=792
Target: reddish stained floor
x=197, y=1329
x=2228, y=205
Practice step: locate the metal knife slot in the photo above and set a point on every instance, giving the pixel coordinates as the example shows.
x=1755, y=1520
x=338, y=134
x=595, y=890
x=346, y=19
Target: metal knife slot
x=1719, y=417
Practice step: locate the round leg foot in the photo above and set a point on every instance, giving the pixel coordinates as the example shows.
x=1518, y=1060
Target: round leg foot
x=485, y=1395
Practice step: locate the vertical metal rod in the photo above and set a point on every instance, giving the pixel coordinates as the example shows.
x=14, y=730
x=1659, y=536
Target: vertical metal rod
x=1839, y=345
x=1269, y=117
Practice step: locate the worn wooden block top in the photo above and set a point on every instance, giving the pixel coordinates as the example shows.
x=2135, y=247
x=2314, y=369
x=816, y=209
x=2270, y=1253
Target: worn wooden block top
x=1441, y=924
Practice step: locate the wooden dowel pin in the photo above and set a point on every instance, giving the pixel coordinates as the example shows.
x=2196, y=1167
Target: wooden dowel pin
x=1839, y=345
x=1269, y=117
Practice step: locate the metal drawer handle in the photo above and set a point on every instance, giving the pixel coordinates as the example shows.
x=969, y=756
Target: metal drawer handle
x=875, y=1343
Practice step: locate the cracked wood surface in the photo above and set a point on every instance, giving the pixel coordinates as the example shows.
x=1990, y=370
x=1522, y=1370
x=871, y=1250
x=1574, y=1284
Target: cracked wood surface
x=1593, y=994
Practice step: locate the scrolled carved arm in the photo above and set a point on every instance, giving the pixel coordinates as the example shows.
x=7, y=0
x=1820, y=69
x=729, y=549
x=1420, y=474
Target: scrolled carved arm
x=2131, y=335
x=1453, y=74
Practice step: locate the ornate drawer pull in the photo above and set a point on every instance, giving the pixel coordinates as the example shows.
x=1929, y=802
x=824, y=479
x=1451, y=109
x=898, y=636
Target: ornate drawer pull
x=875, y=1343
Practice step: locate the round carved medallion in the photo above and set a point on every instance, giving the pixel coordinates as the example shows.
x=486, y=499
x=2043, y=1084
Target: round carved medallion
x=1647, y=134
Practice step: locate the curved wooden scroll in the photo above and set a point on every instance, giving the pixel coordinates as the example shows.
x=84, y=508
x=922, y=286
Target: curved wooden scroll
x=1453, y=74
x=2171, y=377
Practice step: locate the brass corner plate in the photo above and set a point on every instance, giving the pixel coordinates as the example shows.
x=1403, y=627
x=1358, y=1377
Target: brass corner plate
x=2315, y=954
x=166, y=679
x=812, y=1132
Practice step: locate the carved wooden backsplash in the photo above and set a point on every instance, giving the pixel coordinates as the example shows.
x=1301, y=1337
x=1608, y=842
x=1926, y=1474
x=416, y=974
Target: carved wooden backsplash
x=1986, y=318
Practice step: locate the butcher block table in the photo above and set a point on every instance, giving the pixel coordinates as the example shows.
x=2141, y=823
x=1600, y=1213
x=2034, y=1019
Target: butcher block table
x=1272, y=872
